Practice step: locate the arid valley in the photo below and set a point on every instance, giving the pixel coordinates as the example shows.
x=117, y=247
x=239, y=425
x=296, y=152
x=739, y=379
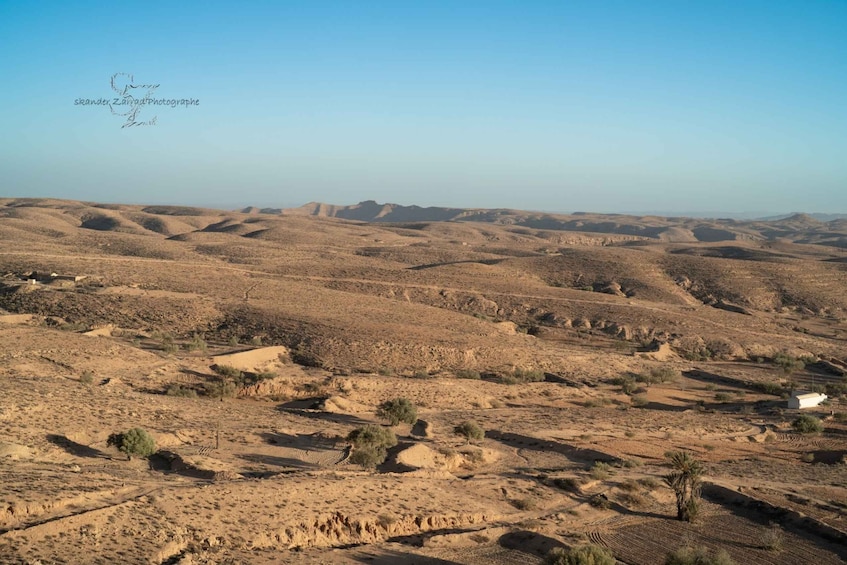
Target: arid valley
x=552, y=362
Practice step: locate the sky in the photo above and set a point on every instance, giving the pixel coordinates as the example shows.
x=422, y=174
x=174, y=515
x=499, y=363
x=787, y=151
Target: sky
x=611, y=106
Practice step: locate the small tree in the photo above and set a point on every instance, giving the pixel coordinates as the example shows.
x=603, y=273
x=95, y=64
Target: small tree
x=370, y=444
x=686, y=482
x=134, y=442
x=470, y=430
x=582, y=555
x=806, y=424
x=398, y=410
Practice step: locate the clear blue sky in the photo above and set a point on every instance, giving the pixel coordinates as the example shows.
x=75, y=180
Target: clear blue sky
x=571, y=105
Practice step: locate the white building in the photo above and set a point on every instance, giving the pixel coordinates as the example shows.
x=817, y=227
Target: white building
x=800, y=400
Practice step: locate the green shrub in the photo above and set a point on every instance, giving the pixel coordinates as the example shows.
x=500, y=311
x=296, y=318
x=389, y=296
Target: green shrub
x=398, y=410
x=369, y=456
x=583, y=555
x=468, y=374
x=806, y=424
x=372, y=436
x=698, y=556
x=134, y=442
x=470, y=430
x=722, y=397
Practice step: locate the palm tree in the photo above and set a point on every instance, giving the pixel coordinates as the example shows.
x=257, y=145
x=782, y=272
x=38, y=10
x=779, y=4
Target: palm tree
x=686, y=482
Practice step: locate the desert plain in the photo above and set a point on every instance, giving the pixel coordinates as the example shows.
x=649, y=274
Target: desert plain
x=251, y=343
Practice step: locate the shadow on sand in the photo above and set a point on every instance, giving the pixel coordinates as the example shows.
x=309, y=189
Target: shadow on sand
x=75, y=448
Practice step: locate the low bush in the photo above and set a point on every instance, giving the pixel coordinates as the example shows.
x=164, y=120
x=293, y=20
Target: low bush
x=771, y=387
x=134, y=442
x=397, y=410
x=527, y=376
x=470, y=431
x=570, y=484
x=524, y=503
x=583, y=555
x=372, y=435
x=197, y=343
x=87, y=378
x=182, y=391
x=626, y=382
x=698, y=556
x=600, y=501
x=227, y=371
x=220, y=389
x=368, y=456
x=806, y=424
x=788, y=363
x=600, y=471
x=664, y=375
x=468, y=374
x=772, y=539
x=639, y=401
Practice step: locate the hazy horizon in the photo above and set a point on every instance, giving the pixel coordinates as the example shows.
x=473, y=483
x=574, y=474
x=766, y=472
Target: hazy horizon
x=720, y=108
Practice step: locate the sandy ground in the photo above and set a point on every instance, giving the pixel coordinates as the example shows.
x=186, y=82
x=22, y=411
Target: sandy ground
x=325, y=320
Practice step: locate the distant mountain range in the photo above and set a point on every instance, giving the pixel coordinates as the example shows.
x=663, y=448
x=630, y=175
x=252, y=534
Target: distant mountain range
x=825, y=229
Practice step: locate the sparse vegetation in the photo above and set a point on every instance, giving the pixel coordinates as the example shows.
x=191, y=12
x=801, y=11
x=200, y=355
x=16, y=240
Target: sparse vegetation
x=468, y=374
x=769, y=387
x=788, y=363
x=197, y=343
x=807, y=424
x=582, y=555
x=698, y=556
x=220, y=389
x=134, y=442
x=227, y=371
x=86, y=378
x=570, y=484
x=772, y=538
x=639, y=401
x=398, y=410
x=181, y=391
x=600, y=471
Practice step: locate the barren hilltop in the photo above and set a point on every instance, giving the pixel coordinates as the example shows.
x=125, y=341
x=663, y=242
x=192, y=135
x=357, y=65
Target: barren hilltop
x=549, y=367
